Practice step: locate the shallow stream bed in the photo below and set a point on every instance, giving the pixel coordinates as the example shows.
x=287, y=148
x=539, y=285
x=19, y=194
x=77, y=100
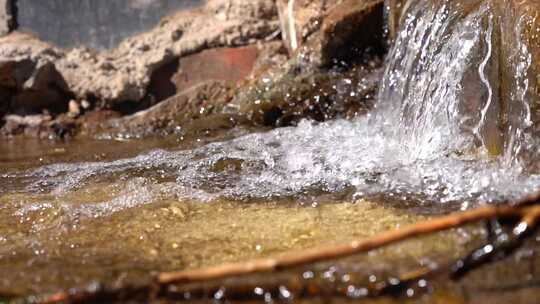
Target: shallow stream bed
x=117, y=231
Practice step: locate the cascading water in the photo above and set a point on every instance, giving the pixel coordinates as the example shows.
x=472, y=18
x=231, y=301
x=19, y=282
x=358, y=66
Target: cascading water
x=444, y=130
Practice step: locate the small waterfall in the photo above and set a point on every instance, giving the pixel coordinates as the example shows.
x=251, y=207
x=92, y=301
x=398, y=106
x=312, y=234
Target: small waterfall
x=439, y=60
x=458, y=81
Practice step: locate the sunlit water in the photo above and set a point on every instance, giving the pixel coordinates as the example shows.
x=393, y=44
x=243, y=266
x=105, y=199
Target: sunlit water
x=453, y=126
x=435, y=135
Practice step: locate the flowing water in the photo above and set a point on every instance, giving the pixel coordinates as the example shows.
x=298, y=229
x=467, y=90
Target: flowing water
x=448, y=130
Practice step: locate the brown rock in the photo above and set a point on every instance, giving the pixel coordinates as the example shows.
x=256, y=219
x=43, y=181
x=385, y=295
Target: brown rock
x=351, y=29
x=222, y=64
x=230, y=65
x=31, y=125
x=27, y=71
x=123, y=74
x=195, y=103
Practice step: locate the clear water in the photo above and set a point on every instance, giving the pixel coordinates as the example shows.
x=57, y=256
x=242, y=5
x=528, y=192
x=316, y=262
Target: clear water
x=436, y=134
x=454, y=126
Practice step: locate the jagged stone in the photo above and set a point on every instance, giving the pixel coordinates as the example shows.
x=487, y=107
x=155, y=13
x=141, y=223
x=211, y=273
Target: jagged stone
x=123, y=74
x=169, y=116
x=28, y=73
x=308, y=85
x=351, y=29
x=332, y=30
x=30, y=125
x=301, y=18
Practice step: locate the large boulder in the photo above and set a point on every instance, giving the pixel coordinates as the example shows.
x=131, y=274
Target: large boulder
x=29, y=79
x=124, y=73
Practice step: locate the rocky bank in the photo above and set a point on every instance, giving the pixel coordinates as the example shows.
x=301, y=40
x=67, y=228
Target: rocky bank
x=212, y=59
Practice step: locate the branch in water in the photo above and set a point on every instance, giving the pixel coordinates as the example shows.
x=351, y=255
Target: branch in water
x=325, y=253
x=526, y=212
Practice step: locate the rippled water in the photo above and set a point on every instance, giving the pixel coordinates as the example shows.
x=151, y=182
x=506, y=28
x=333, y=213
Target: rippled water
x=436, y=135
x=454, y=126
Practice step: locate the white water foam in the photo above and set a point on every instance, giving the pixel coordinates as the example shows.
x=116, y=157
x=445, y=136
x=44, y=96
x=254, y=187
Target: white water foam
x=427, y=138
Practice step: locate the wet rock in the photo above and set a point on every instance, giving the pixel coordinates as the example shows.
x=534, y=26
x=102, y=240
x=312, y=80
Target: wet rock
x=169, y=116
x=349, y=31
x=334, y=73
x=284, y=99
x=301, y=18
x=31, y=125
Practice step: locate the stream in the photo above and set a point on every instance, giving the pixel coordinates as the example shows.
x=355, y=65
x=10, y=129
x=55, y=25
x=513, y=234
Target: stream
x=113, y=211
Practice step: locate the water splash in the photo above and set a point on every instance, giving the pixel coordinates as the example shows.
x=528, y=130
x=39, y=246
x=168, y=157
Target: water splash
x=437, y=133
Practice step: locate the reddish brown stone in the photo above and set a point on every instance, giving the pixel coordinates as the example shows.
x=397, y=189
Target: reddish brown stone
x=222, y=64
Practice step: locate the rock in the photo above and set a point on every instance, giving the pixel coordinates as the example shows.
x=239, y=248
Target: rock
x=35, y=75
x=169, y=116
x=334, y=73
x=31, y=125
x=350, y=30
x=221, y=64
x=124, y=73
x=230, y=65
x=6, y=17
x=28, y=72
x=301, y=18
x=130, y=67
x=175, y=63
x=284, y=98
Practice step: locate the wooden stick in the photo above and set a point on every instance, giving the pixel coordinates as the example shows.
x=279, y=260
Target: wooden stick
x=330, y=252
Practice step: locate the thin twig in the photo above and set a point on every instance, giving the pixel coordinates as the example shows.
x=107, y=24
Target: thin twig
x=299, y=258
